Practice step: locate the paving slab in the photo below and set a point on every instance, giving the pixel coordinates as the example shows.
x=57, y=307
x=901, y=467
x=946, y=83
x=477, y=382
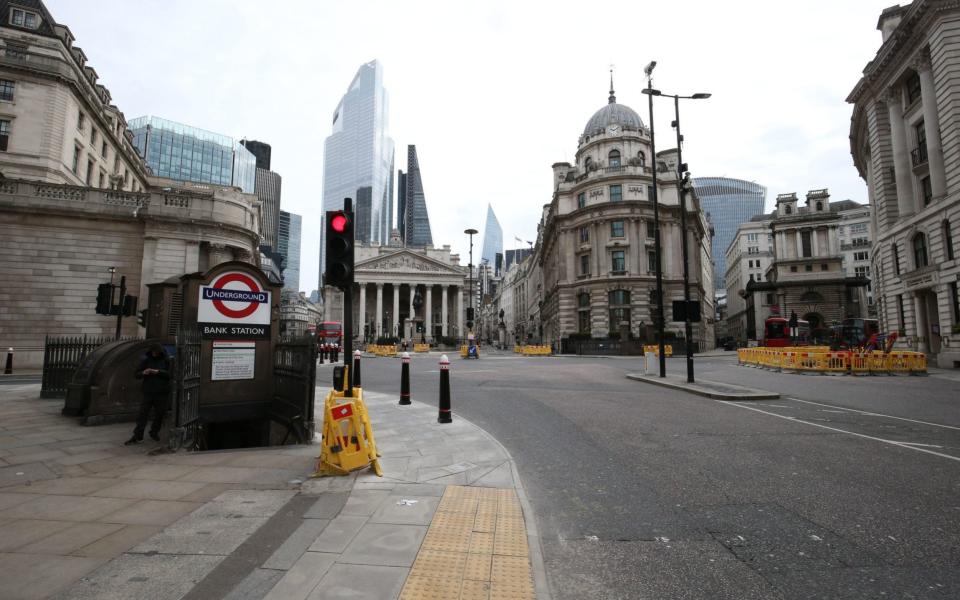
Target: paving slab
x=65, y=508
x=118, y=542
x=338, y=534
x=256, y=585
x=293, y=548
x=156, y=576
x=384, y=544
x=152, y=512
x=303, y=577
x=15, y=534
x=209, y=535
x=142, y=489
x=40, y=576
x=349, y=582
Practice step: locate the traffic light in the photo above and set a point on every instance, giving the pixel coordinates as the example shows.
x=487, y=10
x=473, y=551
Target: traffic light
x=104, y=298
x=129, y=305
x=339, y=268
x=142, y=318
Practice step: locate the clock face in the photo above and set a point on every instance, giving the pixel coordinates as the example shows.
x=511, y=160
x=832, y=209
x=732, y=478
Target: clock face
x=614, y=129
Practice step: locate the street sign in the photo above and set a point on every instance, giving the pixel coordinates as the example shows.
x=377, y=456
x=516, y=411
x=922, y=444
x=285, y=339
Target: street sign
x=680, y=314
x=234, y=307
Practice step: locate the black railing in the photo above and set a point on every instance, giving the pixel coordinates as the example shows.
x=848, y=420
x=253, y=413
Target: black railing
x=919, y=156
x=615, y=347
x=61, y=358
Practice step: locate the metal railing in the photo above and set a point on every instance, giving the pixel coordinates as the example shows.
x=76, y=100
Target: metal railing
x=919, y=156
x=61, y=358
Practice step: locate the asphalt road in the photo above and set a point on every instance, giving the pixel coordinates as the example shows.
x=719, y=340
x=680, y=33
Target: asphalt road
x=846, y=488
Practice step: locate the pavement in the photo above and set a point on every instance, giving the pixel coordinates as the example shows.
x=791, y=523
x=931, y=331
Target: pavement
x=707, y=389
x=82, y=516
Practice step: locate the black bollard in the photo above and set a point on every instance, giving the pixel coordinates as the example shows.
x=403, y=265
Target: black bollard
x=356, y=369
x=445, y=415
x=405, y=380
x=8, y=369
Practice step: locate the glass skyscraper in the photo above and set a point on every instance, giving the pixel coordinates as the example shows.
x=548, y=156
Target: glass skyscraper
x=492, y=239
x=359, y=153
x=183, y=153
x=413, y=219
x=728, y=203
x=288, y=245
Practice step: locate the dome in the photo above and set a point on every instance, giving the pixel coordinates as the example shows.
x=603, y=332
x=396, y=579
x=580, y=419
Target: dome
x=613, y=114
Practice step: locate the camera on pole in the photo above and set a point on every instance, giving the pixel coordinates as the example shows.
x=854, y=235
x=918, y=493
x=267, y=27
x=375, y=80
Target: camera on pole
x=339, y=264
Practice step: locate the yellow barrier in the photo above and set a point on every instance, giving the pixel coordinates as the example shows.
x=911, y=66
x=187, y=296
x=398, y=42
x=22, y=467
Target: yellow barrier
x=817, y=359
x=463, y=351
x=347, y=442
x=421, y=347
x=382, y=350
x=655, y=348
x=537, y=351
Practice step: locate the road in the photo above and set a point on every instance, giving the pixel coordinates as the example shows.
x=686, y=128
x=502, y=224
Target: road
x=846, y=488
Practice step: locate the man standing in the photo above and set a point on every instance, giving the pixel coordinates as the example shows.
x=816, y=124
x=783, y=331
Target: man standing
x=154, y=369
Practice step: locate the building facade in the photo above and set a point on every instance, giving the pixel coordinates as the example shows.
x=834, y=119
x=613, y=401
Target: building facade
x=904, y=141
x=728, y=203
x=747, y=259
x=492, y=239
x=288, y=245
x=184, y=153
x=359, y=153
x=414, y=222
x=267, y=186
x=595, y=244
x=805, y=274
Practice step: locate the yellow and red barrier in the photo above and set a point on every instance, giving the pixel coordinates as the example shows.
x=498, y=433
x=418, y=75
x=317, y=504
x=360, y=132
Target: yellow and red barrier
x=536, y=351
x=821, y=360
x=655, y=348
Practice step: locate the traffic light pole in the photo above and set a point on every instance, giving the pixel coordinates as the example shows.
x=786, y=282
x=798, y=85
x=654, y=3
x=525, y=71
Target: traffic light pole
x=348, y=313
x=123, y=293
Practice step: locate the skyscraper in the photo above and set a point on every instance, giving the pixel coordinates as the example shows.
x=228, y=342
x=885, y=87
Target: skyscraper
x=359, y=153
x=288, y=245
x=184, y=153
x=492, y=239
x=728, y=203
x=414, y=222
x=267, y=187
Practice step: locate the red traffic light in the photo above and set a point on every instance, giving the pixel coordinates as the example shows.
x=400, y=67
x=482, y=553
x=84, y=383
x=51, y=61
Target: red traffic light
x=339, y=222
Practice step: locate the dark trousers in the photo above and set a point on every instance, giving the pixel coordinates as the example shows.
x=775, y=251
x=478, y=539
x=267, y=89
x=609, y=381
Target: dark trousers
x=156, y=402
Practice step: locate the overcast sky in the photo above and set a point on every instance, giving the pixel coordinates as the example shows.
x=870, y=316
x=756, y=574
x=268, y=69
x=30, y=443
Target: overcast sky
x=492, y=93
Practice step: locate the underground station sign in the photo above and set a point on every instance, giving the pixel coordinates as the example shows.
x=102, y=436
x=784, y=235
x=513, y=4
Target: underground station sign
x=234, y=307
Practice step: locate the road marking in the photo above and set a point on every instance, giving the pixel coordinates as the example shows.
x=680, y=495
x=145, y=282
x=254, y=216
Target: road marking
x=873, y=414
x=869, y=437
x=468, y=372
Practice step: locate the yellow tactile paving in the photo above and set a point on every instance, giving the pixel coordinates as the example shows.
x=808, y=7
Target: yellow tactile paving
x=475, y=549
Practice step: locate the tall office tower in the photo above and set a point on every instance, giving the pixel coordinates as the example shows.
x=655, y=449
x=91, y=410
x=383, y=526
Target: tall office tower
x=362, y=201
x=416, y=220
x=183, y=153
x=288, y=245
x=402, y=205
x=728, y=203
x=359, y=153
x=261, y=150
x=492, y=239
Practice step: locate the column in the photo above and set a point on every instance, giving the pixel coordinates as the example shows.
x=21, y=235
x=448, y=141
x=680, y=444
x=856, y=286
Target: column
x=798, y=234
x=901, y=154
x=460, y=329
x=413, y=292
x=428, y=315
x=396, y=310
x=443, y=312
x=920, y=322
x=931, y=127
x=362, y=313
x=378, y=328
x=814, y=234
x=667, y=246
x=832, y=238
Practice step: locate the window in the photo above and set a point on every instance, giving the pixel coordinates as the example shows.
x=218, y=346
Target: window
x=806, y=243
x=913, y=87
x=824, y=267
x=583, y=312
x=103, y=177
x=861, y=255
x=614, y=158
x=616, y=193
x=751, y=264
x=584, y=234
x=793, y=269
x=651, y=230
x=641, y=159
x=808, y=268
x=896, y=259
x=927, y=190
x=619, y=301
x=858, y=228
x=751, y=237
x=787, y=209
x=618, y=261
x=616, y=228
x=75, y=166
x=920, y=250
x=103, y=149
x=6, y=90
x=24, y=18
x=955, y=300
x=753, y=249
x=86, y=179
x=588, y=164
x=819, y=206
x=903, y=317
x=581, y=199
x=862, y=272
x=81, y=120
x=584, y=264
x=769, y=299
x=947, y=240
x=4, y=134
x=651, y=262
x=93, y=138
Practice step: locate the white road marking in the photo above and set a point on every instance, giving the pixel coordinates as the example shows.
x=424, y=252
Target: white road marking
x=869, y=437
x=874, y=414
x=924, y=445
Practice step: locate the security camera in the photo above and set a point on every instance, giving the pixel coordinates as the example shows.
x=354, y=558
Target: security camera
x=647, y=70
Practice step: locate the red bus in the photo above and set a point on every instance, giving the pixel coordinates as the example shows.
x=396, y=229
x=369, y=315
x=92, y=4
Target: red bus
x=776, y=333
x=330, y=333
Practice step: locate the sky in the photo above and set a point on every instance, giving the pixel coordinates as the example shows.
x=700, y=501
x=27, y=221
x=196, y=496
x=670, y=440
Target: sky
x=493, y=93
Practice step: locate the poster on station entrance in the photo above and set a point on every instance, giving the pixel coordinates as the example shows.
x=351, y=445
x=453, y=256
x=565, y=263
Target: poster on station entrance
x=233, y=359
x=234, y=307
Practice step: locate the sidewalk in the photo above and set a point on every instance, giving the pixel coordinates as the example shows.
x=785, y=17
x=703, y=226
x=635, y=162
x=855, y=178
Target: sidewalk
x=82, y=516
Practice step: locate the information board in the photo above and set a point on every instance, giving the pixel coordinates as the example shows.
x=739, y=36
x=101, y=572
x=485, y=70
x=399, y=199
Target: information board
x=234, y=359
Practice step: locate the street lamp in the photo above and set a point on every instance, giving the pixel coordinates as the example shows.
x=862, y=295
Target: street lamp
x=650, y=92
x=471, y=232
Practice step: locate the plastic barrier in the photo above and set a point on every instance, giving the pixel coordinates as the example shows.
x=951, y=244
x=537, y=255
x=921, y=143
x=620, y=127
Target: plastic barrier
x=537, y=350
x=347, y=442
x=655, y=348
x=835, y=363
x=818, y=360
x=859, y=363
x=421, y=347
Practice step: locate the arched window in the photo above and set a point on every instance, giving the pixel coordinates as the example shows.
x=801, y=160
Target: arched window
x=896, y=258
x=920, y=250
x=947, y=240
x=819, y=206
x=588, y=163
x=788, y=210
x=642, y=159
x=614, y=158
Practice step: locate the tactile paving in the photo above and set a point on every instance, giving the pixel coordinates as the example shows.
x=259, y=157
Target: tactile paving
x=475, y=549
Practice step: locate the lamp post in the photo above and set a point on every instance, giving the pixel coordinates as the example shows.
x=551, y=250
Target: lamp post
x=471, y=232
x=650, y=92
x=682, y=185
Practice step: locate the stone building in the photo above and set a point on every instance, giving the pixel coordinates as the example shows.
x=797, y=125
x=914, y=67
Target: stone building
x=76, y=199
x=805, y=273
x=905, y=142
x=596, y=244
x=748, y=257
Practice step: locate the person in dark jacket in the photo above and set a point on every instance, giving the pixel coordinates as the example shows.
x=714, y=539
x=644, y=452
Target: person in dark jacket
x=154, y=370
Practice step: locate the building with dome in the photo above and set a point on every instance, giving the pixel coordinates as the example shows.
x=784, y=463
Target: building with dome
x=596, y=240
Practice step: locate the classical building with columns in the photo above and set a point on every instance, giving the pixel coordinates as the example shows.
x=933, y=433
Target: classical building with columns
x=413, y=294
x=905, y=142
x=595, y=246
